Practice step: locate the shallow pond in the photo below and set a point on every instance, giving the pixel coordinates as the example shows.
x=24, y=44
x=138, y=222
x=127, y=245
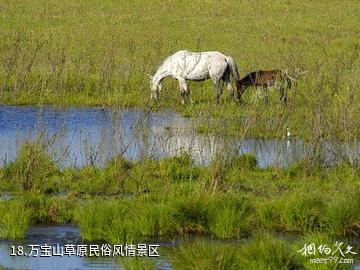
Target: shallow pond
x=61, y=235
x=52, y=236
x=92, y=135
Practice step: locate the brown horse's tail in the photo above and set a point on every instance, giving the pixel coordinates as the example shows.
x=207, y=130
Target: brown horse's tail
x=234, y=72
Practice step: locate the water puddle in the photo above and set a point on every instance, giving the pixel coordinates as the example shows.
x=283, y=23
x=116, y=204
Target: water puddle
x=50, y=235
x=57, y=236
x=62, y=235
x=91, y=135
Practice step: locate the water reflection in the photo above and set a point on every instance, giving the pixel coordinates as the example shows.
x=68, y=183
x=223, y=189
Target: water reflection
x=51, y=235
x=92, y=135
x=58, y=236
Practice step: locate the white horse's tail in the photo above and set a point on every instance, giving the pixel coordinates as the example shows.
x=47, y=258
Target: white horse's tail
x=233, y=70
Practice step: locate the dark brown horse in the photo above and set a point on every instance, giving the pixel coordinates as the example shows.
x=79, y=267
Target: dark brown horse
x=262, y=80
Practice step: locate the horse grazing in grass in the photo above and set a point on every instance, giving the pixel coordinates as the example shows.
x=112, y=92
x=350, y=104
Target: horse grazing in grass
x=262, y=80
x=196, y=66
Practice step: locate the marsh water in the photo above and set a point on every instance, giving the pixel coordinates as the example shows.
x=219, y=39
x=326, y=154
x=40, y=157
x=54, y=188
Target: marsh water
x=92, y=135
x=60, y=235
x=57, y=236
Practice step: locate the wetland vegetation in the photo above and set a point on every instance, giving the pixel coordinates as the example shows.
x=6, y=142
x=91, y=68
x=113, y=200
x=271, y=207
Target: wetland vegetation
x=53, y=53
x=232, y=198
x=86, y=53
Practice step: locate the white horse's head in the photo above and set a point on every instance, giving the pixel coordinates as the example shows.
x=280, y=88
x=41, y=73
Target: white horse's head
x=154, y=93
x=155, y=87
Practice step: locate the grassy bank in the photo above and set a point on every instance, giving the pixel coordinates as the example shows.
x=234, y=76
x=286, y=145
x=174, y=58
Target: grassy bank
x=231, y=198
x=53, y=53
x=263, y=251
x=94, y=52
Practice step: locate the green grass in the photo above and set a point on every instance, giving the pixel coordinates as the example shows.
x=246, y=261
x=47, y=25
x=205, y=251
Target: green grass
x=48, y=209
x=344, y=218
x=262, y=252
x=15, y=219
x=267, y=252
x=230, y=198
x=172, y=198
x=104, y=220
x=324, y=241
x=232, y=216
x=33, y=170
x=99, y=53
x=202, y=255
x=137, y=263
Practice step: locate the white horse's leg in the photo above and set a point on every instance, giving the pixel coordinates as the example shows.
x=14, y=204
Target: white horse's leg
x=189, y=97
x=187, y=93
x=217, y=74
x=154, y=91
x=184, y=90
x=218, y=90
x=156, y=88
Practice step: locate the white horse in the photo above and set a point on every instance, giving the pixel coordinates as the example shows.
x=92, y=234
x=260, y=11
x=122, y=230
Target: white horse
x=196, y=66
